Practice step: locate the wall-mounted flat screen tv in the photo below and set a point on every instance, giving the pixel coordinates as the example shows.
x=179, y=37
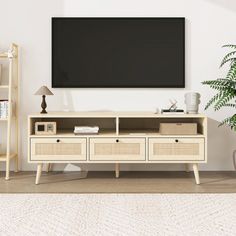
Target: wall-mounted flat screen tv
x=118, y=52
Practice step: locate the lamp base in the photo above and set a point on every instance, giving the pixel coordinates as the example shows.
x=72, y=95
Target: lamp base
x=44, y=105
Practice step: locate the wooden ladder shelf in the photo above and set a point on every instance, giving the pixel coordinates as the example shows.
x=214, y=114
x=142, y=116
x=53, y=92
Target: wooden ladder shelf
x=12, y=118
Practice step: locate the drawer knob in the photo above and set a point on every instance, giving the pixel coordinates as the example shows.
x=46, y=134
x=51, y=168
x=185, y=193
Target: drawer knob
x=117, y=140
x=176, y=140
x=58, y=140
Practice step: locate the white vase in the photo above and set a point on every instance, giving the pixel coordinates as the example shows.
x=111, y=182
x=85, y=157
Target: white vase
x=192, y=100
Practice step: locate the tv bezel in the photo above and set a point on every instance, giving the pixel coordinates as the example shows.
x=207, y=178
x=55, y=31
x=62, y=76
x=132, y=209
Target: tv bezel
x=182, y=85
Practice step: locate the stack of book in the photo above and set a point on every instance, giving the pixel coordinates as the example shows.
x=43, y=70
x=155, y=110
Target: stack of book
x=172, y=112
x=86, y=130
x=3, y=109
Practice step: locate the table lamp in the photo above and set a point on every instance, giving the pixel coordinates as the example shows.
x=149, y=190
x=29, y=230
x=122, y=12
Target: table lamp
x=43, y=91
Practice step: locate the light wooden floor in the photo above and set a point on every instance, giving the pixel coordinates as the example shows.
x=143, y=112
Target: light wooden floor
x=129, y=182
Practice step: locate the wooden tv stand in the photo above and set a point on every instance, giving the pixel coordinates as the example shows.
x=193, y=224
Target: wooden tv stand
x=124, y=137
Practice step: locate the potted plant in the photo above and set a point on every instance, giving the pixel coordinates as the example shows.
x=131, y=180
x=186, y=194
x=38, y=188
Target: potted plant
x=225, y=88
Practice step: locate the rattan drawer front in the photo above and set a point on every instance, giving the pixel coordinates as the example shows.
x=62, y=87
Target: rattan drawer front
x=176, y=149
x=58, y=149
x=123, y=149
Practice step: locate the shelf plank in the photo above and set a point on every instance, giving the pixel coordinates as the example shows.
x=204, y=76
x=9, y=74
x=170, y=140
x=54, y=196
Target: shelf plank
x=6, y=119
x=4, y=86
x=129, y=133
x=3, y=157
x=112, y=114
x=153, y=132
x=69, y=133
x=3, y=55
x=7, y=87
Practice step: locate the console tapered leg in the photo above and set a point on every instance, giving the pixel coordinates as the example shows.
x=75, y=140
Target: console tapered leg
x=39, y=171
x=7, y=169
x=49, y=167
x=16, y=164
x=196, y=173
x=187, y=168
x=117, y=170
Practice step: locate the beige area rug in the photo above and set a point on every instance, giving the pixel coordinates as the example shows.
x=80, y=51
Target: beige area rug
x=118, y=214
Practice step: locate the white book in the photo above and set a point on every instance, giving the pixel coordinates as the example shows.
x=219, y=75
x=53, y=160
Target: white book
x=173, y=113
x=86, y=128
x=4, y=109
x=86, y=132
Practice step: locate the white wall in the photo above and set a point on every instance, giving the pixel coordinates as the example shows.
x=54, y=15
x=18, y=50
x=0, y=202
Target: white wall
x=209, y=25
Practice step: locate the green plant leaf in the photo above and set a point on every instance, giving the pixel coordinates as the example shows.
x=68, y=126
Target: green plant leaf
x=226, y=89
x=231, y=75
x=230, y=105
x=227, y=57
x=224, y=99
x=220, y=84
x=229, y=46
x=231, y=60
x=213, y=100
x=230, y=121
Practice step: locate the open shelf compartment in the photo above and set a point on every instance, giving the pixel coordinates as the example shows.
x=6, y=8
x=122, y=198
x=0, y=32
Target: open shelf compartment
x=151, y=126
x=65, y=126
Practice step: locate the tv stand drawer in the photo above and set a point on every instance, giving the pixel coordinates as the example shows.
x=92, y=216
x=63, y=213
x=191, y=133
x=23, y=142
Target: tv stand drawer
x=117, y=149
x=58, y=149
x=176, y=149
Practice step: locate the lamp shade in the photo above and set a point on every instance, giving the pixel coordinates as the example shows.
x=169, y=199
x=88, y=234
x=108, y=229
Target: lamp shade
x=43, y=91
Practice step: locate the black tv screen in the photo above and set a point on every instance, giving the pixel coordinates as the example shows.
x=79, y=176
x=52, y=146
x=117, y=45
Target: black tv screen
x=118, y=52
